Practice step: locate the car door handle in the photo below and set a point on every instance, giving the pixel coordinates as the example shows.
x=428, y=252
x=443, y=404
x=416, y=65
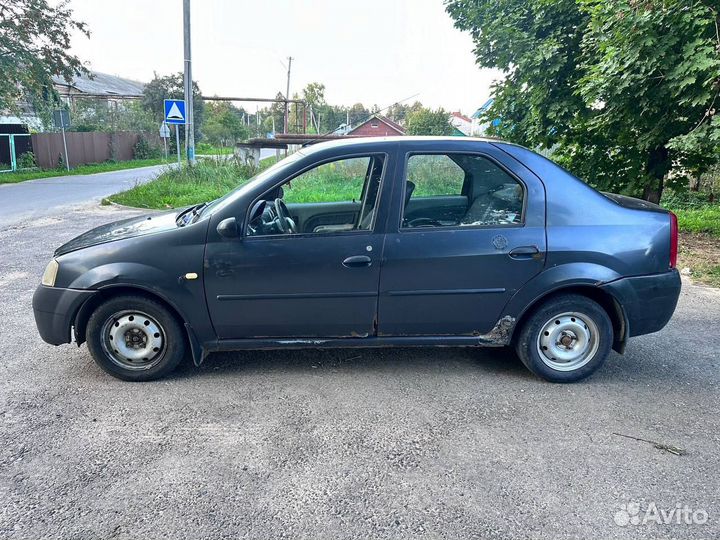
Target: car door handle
x=357, y=261
x=524, y=252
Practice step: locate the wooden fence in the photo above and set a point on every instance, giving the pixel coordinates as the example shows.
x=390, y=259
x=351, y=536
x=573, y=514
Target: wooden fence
x=83, y=147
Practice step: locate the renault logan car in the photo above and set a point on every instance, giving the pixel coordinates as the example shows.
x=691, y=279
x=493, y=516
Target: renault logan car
x=373, y=242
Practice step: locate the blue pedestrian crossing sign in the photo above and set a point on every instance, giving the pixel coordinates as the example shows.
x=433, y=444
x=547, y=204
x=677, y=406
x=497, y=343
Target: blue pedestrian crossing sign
x=175, y=111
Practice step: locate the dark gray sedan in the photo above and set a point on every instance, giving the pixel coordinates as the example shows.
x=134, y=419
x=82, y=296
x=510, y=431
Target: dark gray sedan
x=371, y=243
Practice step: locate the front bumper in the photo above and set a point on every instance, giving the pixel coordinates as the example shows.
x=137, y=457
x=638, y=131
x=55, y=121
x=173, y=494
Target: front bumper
x=55, y=310
x=648, y=302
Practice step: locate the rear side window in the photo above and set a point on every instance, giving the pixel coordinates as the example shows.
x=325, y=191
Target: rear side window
x=460, y=190
x=434, y=175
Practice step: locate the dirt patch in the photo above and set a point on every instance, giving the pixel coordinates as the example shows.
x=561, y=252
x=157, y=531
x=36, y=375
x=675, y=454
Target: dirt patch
x=699, y=257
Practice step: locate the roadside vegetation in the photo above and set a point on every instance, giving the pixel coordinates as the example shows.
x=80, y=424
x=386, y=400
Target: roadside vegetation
x=207, y=180
x=699, y=223
x=108, y=166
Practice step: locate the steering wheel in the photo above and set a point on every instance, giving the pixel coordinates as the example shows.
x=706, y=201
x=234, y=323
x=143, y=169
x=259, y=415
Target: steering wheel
x=284, y=221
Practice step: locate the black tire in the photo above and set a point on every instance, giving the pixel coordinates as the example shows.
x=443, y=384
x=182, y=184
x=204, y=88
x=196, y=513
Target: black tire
x=172, y=339
x=529, y=343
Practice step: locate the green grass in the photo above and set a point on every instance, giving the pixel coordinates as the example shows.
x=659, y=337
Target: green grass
x=699, y=220
x=695, y=212
x=213, y=178
x=206, y=181
x=21, y=176
x=208, y=149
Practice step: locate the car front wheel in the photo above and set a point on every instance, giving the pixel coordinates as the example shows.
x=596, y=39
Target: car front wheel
x=135, y=338
x=566, y=339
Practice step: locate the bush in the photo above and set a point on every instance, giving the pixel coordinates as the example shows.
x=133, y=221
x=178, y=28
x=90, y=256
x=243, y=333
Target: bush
x=144, y=149
x=26, y=161
x=687, y=199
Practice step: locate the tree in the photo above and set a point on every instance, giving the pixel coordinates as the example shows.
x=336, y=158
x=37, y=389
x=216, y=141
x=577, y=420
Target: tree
x=623, y=91
x=223, y=124
x=34, y=47
x=358, y=114
x=90, y=114
x=429, y=122
x=314, y=96
x=172, y=87
x=398, y=112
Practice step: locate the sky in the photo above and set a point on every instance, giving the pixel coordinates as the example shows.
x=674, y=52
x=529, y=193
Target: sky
x=372, y=51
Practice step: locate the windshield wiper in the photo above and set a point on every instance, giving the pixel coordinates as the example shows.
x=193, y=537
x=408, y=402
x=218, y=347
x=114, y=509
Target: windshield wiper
x=197, y=211
x=187, y=215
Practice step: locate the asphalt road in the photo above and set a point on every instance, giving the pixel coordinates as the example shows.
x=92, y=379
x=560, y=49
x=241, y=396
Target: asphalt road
x=396, y=443
x=38, y=198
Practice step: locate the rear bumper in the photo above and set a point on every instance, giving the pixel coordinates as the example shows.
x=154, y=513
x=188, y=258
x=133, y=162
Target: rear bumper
x=55, y=311
x=648, y=302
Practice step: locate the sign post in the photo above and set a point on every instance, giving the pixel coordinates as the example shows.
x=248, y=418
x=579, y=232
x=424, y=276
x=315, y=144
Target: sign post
x=165, y=134
x=175, y=114
x=61, y=119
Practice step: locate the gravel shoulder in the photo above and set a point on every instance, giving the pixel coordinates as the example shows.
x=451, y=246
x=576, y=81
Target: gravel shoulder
x=389, y=443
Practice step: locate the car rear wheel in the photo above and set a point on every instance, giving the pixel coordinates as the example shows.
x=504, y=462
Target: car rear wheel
x=135, y=338
x=566, y=339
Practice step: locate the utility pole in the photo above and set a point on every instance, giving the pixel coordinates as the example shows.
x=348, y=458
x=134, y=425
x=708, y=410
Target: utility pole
x=189, y=122
x=287, y=95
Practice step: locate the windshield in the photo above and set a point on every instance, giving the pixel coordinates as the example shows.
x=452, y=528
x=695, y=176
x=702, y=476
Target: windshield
x=261, y=176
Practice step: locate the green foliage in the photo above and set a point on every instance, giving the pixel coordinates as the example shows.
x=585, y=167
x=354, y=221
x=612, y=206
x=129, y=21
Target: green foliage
x=331, y=182
x=399, y=112
x=172, y=87
x=223, y=124
x=146, y=149
x=205, y=148
x=183, y=186
x=428, y=122
x=34, y=46
x=100, y=115
x=622, y=90
x=435, y=175
x=700, y=220
x=26, y=160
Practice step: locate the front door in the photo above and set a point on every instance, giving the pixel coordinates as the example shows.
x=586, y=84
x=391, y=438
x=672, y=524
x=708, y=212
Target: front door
x=308, y=264
x=470, y=234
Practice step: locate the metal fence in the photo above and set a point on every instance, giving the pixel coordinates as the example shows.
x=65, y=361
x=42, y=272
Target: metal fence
x=83, y=147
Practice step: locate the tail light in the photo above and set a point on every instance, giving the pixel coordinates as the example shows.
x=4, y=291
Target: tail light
x=673, y=240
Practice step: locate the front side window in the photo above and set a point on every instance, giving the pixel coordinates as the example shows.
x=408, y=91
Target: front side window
x=337, y=196
x=459, y=190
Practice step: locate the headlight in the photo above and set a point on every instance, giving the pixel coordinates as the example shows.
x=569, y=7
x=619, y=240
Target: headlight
x=50, y=273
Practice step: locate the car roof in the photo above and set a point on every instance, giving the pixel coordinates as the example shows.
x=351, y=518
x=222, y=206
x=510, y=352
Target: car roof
x=354, y=142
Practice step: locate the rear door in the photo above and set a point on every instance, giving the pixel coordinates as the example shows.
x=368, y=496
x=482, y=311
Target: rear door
x=451, y=268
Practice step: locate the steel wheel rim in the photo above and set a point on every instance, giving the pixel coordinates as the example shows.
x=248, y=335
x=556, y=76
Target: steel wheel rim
x=133, y=340
x=568, y=341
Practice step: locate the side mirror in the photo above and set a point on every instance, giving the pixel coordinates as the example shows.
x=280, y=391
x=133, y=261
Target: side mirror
x=228, y=228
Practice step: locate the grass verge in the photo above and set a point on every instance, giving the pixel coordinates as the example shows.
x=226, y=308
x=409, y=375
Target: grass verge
x=109, y=166
x=207, y=180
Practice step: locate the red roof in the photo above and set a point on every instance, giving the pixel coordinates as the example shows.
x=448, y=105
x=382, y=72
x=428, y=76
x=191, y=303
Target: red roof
x=461, y=116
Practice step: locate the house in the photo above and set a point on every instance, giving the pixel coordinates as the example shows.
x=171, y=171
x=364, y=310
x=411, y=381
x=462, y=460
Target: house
x=479, y=126
x=377, y=126
x=462, y=124
x=98, y=85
